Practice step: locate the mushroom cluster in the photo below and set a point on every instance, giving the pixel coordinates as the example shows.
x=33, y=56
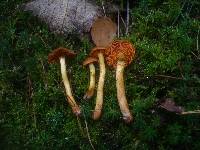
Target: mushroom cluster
x=117, y=54
x=103, y=32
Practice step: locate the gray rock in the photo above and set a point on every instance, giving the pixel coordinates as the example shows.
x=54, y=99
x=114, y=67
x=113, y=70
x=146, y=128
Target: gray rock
x=65, y=16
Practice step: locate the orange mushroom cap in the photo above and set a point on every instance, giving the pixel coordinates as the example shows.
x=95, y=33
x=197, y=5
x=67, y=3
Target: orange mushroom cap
x=94, y=52
x=103, y=31
x=59, y=52
x=119, y=50
x=89, y=60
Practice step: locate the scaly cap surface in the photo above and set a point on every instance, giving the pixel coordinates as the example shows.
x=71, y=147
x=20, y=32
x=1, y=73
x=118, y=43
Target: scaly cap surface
x=119, y=50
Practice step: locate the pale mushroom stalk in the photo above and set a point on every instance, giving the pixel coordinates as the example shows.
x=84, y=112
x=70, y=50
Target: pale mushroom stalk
x=90, y=91
x=90, y=62
x=99, y=98
x=70, y=98
x=121, y=96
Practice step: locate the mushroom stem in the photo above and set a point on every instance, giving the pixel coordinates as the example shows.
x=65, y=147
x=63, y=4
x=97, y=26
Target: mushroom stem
x=121, y=92
x=99, y=98
x=90, y=91
x=75, y=108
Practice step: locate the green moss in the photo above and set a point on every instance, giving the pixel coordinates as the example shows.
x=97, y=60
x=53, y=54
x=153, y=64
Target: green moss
x=33, y=109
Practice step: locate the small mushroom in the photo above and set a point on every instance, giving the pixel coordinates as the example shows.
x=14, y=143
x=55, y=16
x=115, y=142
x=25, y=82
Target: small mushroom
x=60, y=54
x=90, y=91
x=103, y=31
x=97, y=52
x=119, y=55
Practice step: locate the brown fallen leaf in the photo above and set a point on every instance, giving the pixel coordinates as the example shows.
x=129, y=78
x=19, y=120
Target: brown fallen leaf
x=170, y=105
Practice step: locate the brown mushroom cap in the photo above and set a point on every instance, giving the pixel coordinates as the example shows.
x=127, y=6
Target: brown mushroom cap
x=94, y=52
x=119, y=50
x=103, y=31
x=59, y=52
x=89, y=60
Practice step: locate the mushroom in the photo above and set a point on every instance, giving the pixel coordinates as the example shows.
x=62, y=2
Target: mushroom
x=103, y=32
x=119, y=55
x=90, y=91
x=97, y=52
x=59, y=54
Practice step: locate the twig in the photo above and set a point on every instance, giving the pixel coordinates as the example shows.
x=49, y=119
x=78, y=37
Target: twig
x=104, y=11
x=88, y=134
x=198, y=41
x=195, y=55
x=179, y=13
x=161, y=76
x=170, y=77
x=30, y=88
x=44, y=72
x=122, y=20
x=127, y=17
x=118, y=23
x=80, y=127
x=30, y=95
x=190, y=112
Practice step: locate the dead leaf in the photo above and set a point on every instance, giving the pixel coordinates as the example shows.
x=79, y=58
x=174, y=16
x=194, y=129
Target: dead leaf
x=170, y=105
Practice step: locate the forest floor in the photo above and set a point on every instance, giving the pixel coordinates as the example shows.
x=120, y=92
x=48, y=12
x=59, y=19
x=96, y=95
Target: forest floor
x=34, y=113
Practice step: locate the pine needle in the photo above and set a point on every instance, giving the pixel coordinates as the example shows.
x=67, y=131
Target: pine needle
x=87, y=130
x=190, y=112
